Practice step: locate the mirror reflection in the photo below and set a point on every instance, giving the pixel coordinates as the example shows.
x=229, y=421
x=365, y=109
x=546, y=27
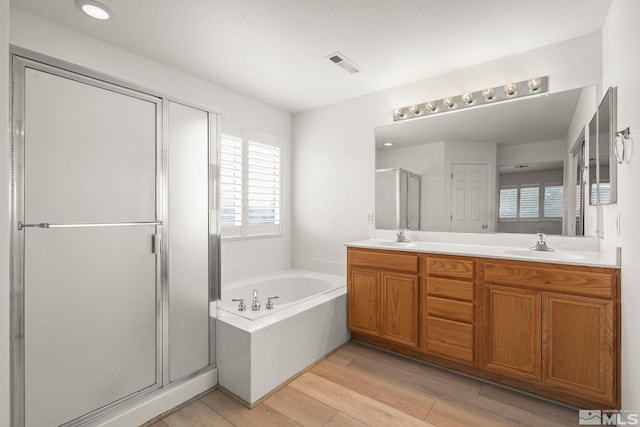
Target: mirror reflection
x=495, y=168
x=607, y=166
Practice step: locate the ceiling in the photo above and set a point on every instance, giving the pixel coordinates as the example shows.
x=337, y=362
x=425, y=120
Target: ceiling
x=276, y=51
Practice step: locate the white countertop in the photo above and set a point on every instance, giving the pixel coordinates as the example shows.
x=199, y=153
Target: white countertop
x=497, y=246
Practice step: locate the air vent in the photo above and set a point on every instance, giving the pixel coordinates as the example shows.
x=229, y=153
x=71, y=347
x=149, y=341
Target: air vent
x=341, y=60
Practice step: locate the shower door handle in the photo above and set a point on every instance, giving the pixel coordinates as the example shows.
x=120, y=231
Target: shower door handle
x=40, y=225
x=22, y=225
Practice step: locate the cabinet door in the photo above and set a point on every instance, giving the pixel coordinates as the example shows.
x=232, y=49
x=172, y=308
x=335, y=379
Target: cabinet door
x=364, y=302
x=510, y=332
x=400, y=308
x=578, y=346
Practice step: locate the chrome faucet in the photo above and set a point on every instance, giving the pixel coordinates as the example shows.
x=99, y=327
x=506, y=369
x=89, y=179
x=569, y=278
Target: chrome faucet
x=242, y=306
x=541, y=244
x=255, y=305
x=270, y=304
x=401, y=237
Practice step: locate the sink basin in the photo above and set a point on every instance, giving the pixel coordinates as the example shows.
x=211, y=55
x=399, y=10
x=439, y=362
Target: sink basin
x=544, y=255
x=398, y=244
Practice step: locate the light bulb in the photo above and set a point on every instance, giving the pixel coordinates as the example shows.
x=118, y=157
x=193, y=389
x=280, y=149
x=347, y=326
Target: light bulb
x=467, y=98
x=414, y=109
x=510, y=89
x=398, y=113
x=534, y=84
x=432, y=106
x=449, y=102
x=488, y=94
x=388, y=144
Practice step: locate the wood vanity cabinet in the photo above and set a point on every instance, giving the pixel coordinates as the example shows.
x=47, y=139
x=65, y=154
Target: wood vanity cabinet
x=383, y=289
x=447, y=296
x=550, y=329
x=552, y=325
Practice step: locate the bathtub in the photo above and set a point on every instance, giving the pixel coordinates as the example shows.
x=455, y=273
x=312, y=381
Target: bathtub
x=256, y=351
x=290, y=286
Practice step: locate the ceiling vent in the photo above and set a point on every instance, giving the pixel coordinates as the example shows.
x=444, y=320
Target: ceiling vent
x=341, y=60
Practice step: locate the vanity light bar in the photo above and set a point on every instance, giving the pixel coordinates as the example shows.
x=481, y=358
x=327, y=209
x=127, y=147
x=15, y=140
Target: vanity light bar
x=532, y=86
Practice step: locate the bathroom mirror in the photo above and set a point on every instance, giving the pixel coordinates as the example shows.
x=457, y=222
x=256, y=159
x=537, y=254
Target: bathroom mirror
x=493, y=168
x=592, y=165
x=606, y=164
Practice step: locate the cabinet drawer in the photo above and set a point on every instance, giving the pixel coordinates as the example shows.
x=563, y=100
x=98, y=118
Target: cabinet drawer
x=448, y=288
x=450, y=309
x=450, y=339
x=384, y=260
x=558, y=278
x=450, y=267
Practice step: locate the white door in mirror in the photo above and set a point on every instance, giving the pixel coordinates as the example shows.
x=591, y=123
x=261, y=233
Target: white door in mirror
x=468, y=198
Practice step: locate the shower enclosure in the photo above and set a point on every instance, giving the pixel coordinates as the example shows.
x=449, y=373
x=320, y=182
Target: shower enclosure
x=398, y=193
x=115, y=242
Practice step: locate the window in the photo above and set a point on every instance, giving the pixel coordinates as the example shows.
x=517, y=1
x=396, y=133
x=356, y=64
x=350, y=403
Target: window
x=605, y=192
x=528, y=202
x=578, y=200
x=250, y=184
x=509, y=203
x=553, y=201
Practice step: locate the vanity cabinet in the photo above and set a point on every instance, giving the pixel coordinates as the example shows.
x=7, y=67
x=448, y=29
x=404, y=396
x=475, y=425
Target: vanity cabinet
x=552, y=325
x=447, y=319
x=383, y=289
x=550, y=329
x=511, y=332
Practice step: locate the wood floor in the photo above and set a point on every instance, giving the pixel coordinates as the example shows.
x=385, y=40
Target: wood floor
x=362, y=386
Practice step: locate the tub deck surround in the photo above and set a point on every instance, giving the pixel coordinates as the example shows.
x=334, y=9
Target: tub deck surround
x=290, y=286
x=587, y=251
x=550, y=327
x=255, y=356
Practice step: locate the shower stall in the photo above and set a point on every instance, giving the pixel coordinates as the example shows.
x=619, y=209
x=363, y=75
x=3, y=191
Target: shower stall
x=398, y=199
x=115, y=242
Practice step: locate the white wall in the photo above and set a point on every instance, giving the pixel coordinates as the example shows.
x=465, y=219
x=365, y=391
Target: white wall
x=4, y=213
x=334, y=154
x=535, y=152
x=621, y=68
x=239, y=258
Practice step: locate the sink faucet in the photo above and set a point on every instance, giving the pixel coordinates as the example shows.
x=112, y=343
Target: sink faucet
x=400, y=236
x=541, y=244
x=255, y=306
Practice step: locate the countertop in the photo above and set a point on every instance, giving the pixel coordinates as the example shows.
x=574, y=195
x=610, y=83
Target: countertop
x=603, y=257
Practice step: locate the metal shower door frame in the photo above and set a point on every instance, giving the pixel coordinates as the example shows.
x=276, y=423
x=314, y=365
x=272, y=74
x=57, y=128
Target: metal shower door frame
x=19, y=66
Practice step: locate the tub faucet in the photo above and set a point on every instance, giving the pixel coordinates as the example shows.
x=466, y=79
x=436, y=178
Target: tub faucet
x=242, y=306
x=401, y=237
x=255, y=306
x=270, y=304
x=541, y=244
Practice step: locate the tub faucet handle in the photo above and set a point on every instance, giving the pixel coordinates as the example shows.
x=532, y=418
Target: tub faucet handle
x=242, y=306
x=255, y=306
x=270, y=302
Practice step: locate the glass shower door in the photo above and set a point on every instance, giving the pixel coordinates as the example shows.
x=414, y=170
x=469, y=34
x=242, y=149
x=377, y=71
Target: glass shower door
x=88, y=224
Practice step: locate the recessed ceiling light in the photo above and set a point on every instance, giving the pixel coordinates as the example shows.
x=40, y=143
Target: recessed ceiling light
x=94, y=9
